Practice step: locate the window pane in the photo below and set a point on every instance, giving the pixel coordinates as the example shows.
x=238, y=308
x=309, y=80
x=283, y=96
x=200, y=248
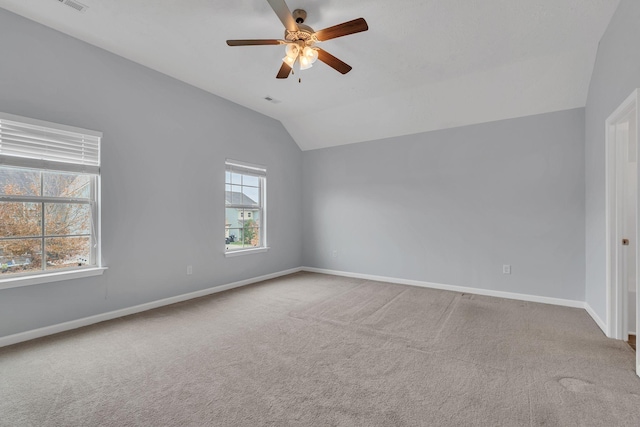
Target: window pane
x=65, y=252
x=18, y=219
x=235, y=197
x=234, y=240
x=251, y=196
x=236, y=178
x=243, y=223
x=250, y=180
x=227, y=177
x=251, y=235
x=241, y=238
x=67, y=185
x=20, y=255
x=67, y=218
x=23, y=182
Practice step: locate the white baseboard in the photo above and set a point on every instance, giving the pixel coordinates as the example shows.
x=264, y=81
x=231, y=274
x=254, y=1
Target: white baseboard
x=78, y=323
x=601, y=324
x=462, y=289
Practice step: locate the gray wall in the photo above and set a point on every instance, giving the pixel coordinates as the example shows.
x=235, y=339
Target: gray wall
x=453, y=206
x=163, y=155
x=616, y=74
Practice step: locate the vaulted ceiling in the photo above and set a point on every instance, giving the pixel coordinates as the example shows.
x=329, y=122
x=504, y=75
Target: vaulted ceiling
x=423, y=65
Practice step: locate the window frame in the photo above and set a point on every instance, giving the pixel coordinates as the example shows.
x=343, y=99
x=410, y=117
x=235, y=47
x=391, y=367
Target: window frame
x=260, y=172
x=38, y=161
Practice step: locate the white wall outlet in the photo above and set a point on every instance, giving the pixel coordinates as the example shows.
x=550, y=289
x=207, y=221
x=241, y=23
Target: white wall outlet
x=334, y=253
x=189, y=270
x=506, y=269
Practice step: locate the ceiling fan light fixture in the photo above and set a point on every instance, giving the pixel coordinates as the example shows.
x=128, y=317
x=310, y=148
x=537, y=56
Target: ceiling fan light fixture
x=292, y=51
x=289, y=60
x=310, y=53
x=305, y=62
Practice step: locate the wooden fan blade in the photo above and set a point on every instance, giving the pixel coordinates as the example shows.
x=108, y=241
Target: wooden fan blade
x=282, y=10
x=256, y=42
x=344, y=29
x=284, y=72
x=333, y=62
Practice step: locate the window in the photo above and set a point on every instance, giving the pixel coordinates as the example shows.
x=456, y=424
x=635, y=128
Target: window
x=49, y=187
x=245, y=222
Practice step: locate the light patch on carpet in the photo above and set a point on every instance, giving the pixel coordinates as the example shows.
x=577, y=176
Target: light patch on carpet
x=415, y=316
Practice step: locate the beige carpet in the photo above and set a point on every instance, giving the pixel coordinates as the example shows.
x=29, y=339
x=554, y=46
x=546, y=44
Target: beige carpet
x=317, y=350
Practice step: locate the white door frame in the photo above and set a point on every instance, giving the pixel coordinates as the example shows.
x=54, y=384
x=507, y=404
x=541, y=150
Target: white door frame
x=615, y=297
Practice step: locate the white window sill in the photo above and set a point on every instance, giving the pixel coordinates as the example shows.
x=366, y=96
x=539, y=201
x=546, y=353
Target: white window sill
x=36, y=279
x=246, y=251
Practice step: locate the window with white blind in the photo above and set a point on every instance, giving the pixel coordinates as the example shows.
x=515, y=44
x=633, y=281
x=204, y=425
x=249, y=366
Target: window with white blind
x=49, y=193
x=245, y=213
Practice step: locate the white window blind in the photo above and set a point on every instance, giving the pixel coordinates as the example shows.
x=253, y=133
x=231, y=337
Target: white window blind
x=37, y=144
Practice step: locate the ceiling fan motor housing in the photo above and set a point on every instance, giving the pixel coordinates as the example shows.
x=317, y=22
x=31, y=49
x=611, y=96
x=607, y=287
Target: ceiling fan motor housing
x=305, y=34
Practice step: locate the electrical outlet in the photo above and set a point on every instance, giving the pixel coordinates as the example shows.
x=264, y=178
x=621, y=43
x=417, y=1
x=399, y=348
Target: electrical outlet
x=334, y=253
x=506, y=269
x=189, y=270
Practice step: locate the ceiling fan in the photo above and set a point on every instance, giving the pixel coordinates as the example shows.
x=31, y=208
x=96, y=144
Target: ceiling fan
x=300, y=40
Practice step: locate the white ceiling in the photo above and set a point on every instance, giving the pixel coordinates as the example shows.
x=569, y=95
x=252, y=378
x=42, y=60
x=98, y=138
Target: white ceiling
x=423, y=65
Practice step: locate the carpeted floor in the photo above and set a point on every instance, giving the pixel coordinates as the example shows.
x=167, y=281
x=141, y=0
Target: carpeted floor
x=317, y=350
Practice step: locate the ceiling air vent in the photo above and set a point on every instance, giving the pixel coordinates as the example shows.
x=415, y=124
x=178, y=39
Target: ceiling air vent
x=272, y=100
x=74, y=4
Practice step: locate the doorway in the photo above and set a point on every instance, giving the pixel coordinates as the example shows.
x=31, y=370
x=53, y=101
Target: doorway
x=622, y=221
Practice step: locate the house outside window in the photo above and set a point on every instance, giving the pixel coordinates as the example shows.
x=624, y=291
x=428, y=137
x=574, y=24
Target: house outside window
x=49, y=193
x=245, y=200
